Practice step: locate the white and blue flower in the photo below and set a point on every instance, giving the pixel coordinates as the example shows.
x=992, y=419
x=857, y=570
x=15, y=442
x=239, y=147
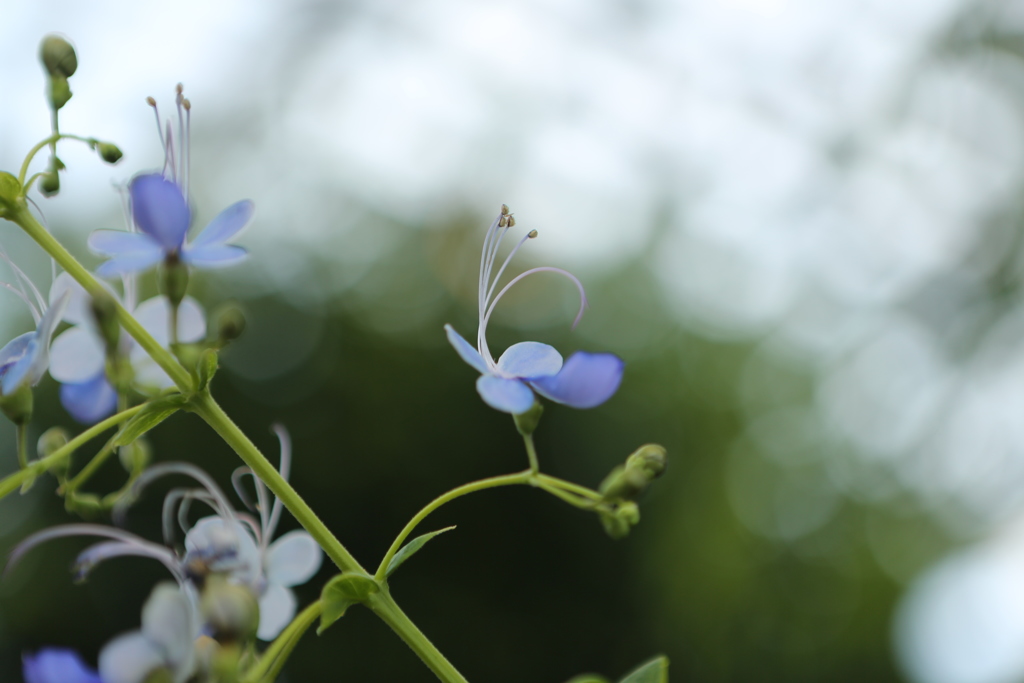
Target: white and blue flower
x=585, y=380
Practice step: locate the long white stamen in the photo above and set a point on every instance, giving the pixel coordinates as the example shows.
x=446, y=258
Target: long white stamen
x=222, y=506
x=159, y=126
x=181, y=497
x=99, y=552
x=24, y=297
x=178, y=98
x=508, y=259
x=22, y=281
x=286, y=465
x=169, y=159
x=187, y=153
x=481, y=283
x=540, y=269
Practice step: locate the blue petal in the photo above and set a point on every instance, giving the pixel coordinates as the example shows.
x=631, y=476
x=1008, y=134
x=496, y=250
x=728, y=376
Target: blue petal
x=506, y=395
x=91, y=401
x=119, y=242
x=467, y=352
x=226, y=225
x=129, y=263
x=586, y=380
x=160, y=210
x=529, y=360
x=213, y=255
x=18, y=372
x=57, y=665
x=14, y=350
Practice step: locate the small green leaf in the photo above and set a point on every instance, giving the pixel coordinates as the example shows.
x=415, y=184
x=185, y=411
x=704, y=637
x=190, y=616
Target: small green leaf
x=411, y=548
x=654, y=671
x=154, y=413
x=206, y=368
x=340, y=593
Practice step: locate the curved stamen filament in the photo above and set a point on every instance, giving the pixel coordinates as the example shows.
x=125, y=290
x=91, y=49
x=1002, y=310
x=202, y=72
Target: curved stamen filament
x=540, y=269
x=222, y=506
x=94, y=554
x=481, y=282
x=286, y=465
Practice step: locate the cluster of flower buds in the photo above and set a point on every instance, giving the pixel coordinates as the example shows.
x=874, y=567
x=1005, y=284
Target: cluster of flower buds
x=627, y=481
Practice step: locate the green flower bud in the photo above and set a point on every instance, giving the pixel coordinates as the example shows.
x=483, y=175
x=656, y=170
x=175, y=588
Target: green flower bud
x=230, y=324
x=230, y=610
x=109, y=152
x=10, y=192
x=58, y=56
x=49, y=184
x=175, y=280
x=51, y=440
x=60, y=92
x=527, y=422
x=18, y=406
x=618, y=523
x=136, y=456
x=651, y=458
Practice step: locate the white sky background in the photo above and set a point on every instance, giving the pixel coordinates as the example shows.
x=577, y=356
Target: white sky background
x=819, y=165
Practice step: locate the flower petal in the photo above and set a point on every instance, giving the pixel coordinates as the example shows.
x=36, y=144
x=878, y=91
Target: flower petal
x=467, y=352
x=292, y=559
x=506, y=395
x=168, y=620
x=121, y=243
x=529, y=360
x=226, y=225
x=91, y=401
x=586, y=380
x=57, y=665
x=20, y=371
x=77, y=311
x=15, y=349
x=225, y=546
x=128, y=264
x=155, y=315
x=213, y=255
x=129, y=658
x=77, y=355
x=277, y=607
x=160, y=210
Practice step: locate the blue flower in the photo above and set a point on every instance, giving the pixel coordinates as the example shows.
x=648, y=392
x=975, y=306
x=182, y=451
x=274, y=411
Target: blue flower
x=57, y=665
x=160, y=210
x=25, y=358
x=161, y=213
x=585, y=380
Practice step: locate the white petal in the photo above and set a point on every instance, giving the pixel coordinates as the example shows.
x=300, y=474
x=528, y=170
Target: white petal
x=292, y=559
x=77, y=355
x=168, y=622
x=129, y=658
x=277, y=607
x=77, y=312
x=226, y=546
x=155, y=314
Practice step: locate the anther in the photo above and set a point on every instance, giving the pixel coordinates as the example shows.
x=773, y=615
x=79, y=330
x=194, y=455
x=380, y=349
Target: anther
x=150, y=101
x=511, y=221
x=186, y=104
x=531, y=234
x=179, y=88
x=504, y=209
x=503, y=221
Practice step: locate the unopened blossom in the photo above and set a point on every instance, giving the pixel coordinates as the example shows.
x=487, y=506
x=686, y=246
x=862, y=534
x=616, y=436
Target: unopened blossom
x=162, y=215
x=57, y=665
x=585, y=380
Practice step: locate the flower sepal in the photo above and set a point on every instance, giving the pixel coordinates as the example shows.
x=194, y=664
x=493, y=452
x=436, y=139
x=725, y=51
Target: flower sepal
x=18, y=405
x=526, y=423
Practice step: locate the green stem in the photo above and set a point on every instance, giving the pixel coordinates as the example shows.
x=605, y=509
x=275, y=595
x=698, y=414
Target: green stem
x=531, y=453
x=52, y=140
x=569, y=486
x=489, y=483
x=381, y=603
x=21, y=433
x=570, y=498
x=90, y=468
x=275, y=656
x=21, y=215
x=13, y=481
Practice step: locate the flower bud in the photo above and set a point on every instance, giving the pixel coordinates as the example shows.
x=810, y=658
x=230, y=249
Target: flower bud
x=18, y=406
x=109, y=152
x=651, y=458
x=60, y=92
x=230, y=324
x=10, y=191
x=643, y=466
x=618, y=523
x=58, y=56
x=49, y=184
x=135, y=456
x=175, y=280
x=51, y=440
x=527, y=422
x=230, y=610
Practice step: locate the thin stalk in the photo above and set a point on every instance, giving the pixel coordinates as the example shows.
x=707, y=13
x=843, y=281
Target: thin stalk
x=480, y=485
x=568, y=486
x=90, y=468
x=55, y=249
x=13, y=481
x=531, y=453
x=275, y=656
x=51, y=140
x=21, y=434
